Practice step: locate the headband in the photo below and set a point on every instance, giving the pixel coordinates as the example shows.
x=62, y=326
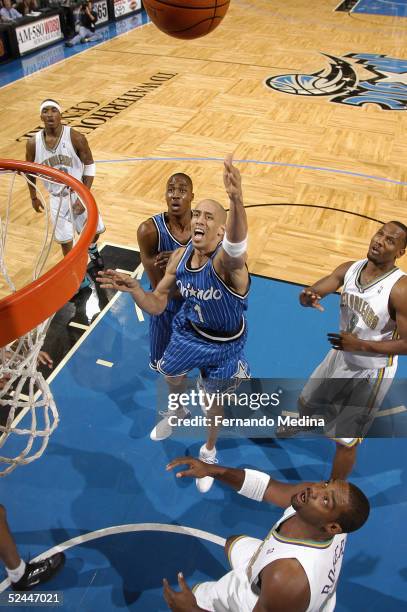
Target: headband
x=50, y=103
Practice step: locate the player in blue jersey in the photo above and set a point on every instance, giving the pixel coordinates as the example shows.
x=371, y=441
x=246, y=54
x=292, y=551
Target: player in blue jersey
x=157, y=238
x=210, y=330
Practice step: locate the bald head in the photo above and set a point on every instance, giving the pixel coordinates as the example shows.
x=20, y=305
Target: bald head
x=215, y=208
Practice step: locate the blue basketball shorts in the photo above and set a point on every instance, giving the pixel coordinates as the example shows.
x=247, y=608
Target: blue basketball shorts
x=160, y=334
x=217, y=361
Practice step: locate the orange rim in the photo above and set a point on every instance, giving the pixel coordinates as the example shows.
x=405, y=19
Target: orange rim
x=34, y=303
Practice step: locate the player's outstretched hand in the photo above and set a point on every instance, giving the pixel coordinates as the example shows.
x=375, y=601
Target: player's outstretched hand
x=232, y=180
x=311, y=299
x=38, y=206
x=111, y=279
x=183, y=601
x=162, y=258
x=197, y=468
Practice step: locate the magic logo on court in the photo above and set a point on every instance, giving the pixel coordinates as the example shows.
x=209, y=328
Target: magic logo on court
x=345, y=80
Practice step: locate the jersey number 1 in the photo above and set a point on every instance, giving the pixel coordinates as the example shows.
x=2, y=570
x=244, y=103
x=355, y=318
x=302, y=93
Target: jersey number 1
x=199, y=311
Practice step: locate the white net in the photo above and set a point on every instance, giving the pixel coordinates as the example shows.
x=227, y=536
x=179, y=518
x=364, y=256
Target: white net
x=28, y=409
x=28, y=414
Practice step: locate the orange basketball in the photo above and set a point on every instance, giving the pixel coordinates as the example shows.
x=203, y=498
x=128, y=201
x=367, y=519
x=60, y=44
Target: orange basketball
x=186, y=18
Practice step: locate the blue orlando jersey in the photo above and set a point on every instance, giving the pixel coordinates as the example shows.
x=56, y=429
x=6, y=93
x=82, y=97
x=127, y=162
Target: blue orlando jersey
x=167, y=242
x=211, y=307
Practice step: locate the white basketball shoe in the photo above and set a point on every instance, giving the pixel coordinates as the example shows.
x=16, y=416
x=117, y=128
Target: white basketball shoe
x=163, y=429
x=207, y=456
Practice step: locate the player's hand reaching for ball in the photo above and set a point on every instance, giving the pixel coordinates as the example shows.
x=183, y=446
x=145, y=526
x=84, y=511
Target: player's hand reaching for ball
x=309, y=298
x=196, y=468
x=111, y=279
x=232, y=180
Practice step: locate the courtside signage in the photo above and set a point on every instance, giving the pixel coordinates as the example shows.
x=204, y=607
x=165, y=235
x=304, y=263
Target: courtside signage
x=102, y=12
x=124, y=7
x=38, y=33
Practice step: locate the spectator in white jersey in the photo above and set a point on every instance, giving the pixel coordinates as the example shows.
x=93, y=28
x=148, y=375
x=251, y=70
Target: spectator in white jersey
x=350, y=384
x=87, y=25
x=60, y=146
x=297, y=566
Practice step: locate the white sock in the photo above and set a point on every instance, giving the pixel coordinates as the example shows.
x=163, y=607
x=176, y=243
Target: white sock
x=207, y=451
x=17, y=573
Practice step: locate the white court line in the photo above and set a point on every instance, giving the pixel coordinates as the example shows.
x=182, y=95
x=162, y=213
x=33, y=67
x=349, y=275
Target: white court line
x=123, y=271
x=389, y=411
x=120, y=246
x=78, y=325
x=75, y=347
x=339, y=4
x=107, y=364
x=89, y=330
x=130, y=528
x=355, y=6
x=139, y=312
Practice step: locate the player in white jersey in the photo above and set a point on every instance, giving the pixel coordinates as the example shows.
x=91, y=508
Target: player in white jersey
x=66, y=149
x=297, y=566
x=363, y=360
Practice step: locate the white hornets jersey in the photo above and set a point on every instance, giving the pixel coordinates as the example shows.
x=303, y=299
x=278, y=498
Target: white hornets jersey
x=321, y=561
x=63, y=157
x=365, y=312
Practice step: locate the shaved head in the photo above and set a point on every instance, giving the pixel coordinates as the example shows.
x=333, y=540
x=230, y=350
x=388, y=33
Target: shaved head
x=403, y=229
x=214, y=207
x=181, y=175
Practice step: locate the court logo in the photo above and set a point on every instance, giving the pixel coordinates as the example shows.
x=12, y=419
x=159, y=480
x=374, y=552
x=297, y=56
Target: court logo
x=346, y=81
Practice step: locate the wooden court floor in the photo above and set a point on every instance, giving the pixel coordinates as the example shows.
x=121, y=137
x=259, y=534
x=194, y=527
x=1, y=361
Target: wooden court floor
x=146, y=95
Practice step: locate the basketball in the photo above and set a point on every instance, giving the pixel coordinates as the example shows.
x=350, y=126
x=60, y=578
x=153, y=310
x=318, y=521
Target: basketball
x=186, y=18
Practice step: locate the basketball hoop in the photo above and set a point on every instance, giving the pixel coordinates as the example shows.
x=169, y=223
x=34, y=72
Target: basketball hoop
x=27, y=408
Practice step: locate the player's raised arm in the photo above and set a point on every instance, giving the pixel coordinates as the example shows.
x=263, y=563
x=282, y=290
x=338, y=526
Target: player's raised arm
x=310, y=296
x=256, y=485
x=232, y=255
x=153, y=302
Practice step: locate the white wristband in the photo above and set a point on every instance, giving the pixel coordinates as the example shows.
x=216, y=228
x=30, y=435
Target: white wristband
x=89, y=170
x=234, y=249
x=254, y=485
